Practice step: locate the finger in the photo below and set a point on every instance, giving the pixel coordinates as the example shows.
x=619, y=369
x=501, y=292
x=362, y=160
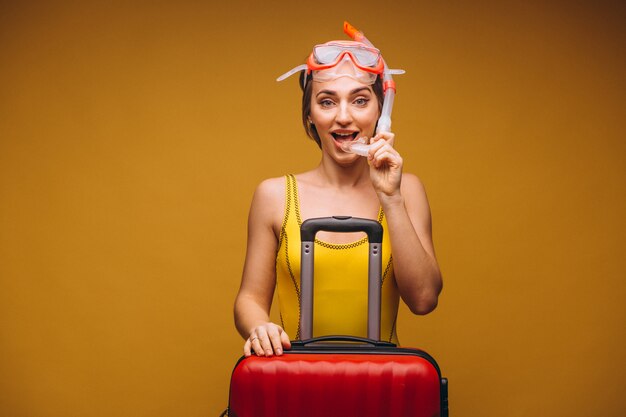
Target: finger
x=386, y=158
x=377, y=151
x=386, y=151
x=284, y=338
x=374, y=148
x=377, y=141
x=383, y=145
x=256, y=346
x=389, y=137
x=274, y=337
x=246, y=348
x=264, y=342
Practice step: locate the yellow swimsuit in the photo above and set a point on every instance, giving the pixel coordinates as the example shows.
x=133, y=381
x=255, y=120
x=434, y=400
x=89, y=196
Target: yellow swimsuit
x=340, y=282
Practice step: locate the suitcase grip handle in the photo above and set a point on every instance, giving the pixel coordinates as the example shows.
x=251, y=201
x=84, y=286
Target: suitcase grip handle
x=341, y=224
x=374, y=231
x=341, y=338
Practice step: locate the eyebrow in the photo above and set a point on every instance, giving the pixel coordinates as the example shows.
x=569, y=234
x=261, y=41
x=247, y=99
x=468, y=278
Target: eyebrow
x=334, y=93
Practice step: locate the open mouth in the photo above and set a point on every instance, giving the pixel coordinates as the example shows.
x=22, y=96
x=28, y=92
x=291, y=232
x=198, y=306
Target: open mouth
x=341, y=137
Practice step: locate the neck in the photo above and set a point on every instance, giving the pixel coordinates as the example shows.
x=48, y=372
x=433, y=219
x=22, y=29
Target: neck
x=355, y=174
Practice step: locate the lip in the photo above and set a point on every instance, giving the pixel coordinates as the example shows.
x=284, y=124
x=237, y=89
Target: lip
x=341, y=144
x=343, y=135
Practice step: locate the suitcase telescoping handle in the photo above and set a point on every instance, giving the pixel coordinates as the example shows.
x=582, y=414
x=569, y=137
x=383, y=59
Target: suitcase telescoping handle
x=374, y=232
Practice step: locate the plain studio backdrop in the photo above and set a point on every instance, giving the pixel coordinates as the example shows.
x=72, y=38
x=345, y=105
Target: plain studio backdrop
x=133, y=135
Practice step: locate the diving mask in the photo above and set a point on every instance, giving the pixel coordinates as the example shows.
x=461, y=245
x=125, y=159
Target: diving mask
x=336, y=59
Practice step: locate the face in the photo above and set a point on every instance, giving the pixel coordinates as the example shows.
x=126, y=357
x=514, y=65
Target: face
x=343, y=110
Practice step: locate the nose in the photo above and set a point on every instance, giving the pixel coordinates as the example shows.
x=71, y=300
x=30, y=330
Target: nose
x=343, y=117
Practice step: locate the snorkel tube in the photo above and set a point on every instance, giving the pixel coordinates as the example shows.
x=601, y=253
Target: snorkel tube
x=389, y=86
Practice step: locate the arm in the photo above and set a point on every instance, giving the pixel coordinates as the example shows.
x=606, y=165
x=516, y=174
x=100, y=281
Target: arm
x=404, y=201
x=253, y=302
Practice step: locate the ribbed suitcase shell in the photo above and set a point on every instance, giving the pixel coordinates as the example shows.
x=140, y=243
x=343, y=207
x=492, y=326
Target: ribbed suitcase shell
x=339, y=381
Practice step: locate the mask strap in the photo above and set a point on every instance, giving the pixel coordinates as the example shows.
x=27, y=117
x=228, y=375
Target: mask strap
x=292, y=71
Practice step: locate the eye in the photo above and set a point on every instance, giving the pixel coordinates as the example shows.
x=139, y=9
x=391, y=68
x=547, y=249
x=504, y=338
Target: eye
x=326, y=102
x=361, y=101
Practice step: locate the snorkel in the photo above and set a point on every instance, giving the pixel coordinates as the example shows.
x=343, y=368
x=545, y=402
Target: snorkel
x=389, y=86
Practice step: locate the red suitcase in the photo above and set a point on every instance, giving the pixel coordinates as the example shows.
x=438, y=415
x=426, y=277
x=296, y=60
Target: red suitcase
x=339, y=375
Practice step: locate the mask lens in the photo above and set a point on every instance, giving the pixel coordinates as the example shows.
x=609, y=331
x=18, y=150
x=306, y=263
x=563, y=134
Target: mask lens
x=366, y=57
x=326, y=54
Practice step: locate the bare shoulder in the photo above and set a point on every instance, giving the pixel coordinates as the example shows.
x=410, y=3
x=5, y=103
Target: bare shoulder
x=412, y=186
x=268, y=203
x=271, y=189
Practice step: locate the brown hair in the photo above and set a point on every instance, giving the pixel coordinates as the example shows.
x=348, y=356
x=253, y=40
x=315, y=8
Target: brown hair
x=307, y=91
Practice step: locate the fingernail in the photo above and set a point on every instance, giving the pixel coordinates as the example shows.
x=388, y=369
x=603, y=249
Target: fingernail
x=279, y=351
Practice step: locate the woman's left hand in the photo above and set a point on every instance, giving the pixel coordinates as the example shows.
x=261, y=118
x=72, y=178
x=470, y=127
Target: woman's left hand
x=385, y=165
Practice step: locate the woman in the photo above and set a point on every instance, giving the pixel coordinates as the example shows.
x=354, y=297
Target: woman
x=342, y=100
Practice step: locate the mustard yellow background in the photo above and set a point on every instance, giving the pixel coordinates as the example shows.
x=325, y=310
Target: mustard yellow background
x=132, y=135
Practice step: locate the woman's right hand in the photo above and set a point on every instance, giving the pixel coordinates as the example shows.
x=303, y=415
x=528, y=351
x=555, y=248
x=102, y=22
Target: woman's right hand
x=267, y=339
